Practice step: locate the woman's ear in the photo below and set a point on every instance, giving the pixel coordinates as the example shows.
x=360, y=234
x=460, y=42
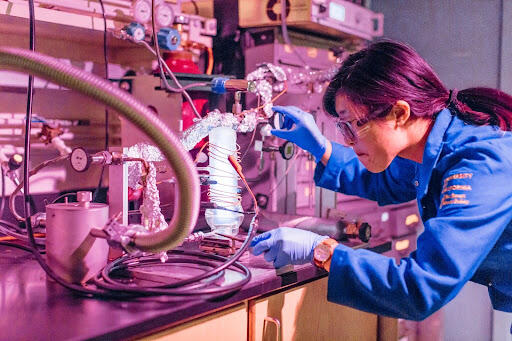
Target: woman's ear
x=401, y=112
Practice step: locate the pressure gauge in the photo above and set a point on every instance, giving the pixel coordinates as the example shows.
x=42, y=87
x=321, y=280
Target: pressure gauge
x=80, y=160
x=142, y=11
x=164, y=15
x=287, y=150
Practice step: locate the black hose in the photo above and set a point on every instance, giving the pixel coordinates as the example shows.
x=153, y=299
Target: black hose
x=2, y=199
x=107, y=136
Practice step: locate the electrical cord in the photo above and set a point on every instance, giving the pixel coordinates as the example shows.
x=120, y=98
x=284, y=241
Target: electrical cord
x=32, y=172
x=8, y=229
x=85, y=290
x=23, y=247
x=183, y=287
x=188, y=287
x=292, y=162
x=12, y=226
x=169, y=71
x=16, y=245
x=196, y=8
x=28, y=118
x=160, y=62
x=286, y=37
x=2, y=200
x=26, y=182
x=136, y=112
x=63, y=196
x=107, y=121
x=98, y=291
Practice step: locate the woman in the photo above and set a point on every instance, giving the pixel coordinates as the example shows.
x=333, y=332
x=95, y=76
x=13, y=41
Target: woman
x=410, y=137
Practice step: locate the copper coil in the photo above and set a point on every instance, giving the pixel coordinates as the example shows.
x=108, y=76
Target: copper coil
x=218, y=153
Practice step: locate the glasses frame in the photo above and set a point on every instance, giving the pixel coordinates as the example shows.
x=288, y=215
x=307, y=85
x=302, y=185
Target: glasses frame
x=347, y=130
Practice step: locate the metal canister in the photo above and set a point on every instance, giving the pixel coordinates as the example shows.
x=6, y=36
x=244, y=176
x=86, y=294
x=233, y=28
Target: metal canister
x=71, y=251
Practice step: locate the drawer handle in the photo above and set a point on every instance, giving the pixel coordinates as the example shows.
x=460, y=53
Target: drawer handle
x=277, y=323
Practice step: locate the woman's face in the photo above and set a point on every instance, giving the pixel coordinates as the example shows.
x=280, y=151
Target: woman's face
x=377, y=142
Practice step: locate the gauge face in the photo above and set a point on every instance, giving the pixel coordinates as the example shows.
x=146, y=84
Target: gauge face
x=139, y=34
x=79, y=160
x=142, y=11
x=288, y=150
x=164, y=15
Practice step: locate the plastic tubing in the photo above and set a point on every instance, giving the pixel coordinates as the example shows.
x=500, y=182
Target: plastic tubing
x=187, y=202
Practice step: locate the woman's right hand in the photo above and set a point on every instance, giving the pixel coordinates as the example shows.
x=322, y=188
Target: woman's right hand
x=304, y=134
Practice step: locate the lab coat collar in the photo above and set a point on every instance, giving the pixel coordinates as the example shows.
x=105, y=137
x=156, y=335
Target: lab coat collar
x=433, y=147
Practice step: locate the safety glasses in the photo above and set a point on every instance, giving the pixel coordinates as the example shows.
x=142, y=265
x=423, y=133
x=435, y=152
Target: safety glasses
x=349, y=129
x=352, y=129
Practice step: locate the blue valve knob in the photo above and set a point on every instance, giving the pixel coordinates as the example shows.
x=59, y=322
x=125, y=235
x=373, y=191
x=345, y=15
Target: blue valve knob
x=168, y=38
x=136, y=30
x=219, y=85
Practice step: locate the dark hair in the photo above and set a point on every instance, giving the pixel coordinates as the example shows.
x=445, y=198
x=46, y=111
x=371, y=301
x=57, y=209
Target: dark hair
x=388, y=71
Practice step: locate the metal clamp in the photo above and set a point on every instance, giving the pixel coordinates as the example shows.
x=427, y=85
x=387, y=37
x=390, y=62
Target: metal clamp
x=277, y=323
x=119, y=235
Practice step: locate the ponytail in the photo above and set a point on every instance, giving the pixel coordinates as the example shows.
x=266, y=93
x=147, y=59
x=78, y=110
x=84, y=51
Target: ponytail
x=482, y=106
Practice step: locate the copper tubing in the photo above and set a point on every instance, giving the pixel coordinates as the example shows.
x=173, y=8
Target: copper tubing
x=237, y=85
x=187, y=202
x=209, y=69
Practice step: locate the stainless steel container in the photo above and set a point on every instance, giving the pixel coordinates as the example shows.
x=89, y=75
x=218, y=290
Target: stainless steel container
x=71, y=251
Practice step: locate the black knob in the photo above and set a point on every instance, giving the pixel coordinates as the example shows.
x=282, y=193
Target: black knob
x=15, y=161
x=365, y=232
x=262, y=200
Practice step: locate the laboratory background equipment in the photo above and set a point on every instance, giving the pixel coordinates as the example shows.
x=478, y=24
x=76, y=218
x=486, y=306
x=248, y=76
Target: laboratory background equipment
x=105, y=196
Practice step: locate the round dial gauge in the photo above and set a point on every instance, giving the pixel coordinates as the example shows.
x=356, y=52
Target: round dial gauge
x=142, y=11
x=164, y=15
x=80, y=160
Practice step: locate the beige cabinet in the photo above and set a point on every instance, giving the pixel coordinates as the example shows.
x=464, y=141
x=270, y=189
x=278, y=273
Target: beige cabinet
x=226, y=325
x=303, y=313
x=300, y=313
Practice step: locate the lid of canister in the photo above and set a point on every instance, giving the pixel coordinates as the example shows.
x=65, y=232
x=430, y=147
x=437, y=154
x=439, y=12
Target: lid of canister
x=84, y=199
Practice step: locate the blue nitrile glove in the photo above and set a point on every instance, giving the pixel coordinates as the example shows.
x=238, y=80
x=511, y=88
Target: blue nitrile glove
x=305, y=134
x=286, y=245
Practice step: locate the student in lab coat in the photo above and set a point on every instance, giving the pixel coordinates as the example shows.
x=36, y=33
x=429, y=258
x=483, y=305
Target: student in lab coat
x=408, y=137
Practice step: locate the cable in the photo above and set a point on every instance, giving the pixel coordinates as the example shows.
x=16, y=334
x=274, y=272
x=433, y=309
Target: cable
x=160, y=62
x=275, y=98
x=63, y=196
x=26, y=175
x=209, y=68
x=196, y=8
x=188, y=287
x=11, y=225
x=285, y=173
x=32, y=172
x=107, y=121
x=196, y=160
x=181, y=89
x=193, y=285
x=7, y=238
x=137, y=113
x=2, y=200
x=8, y=230
x=253, y=135
x=28, y=119
x=284, y=29
x=16, y=245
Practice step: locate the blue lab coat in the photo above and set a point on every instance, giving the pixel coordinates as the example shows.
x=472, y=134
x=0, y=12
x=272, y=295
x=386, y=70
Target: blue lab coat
x=464, y=192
